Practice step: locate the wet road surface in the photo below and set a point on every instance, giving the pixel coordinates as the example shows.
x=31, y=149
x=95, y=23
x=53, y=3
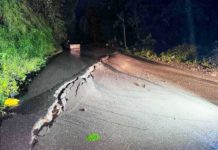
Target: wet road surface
x=15, y=131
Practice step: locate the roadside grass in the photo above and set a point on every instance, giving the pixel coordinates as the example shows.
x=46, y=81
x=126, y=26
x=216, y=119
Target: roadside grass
x=25, y=42
x=181, y=54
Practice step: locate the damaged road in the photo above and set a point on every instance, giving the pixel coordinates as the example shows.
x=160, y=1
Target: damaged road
x=131, y=104
x=15, y=132
x=59, y=105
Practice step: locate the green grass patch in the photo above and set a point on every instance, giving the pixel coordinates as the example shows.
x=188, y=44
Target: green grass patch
x=180, y=53
x=25, y=42
x=184, y=53
x=146, y=53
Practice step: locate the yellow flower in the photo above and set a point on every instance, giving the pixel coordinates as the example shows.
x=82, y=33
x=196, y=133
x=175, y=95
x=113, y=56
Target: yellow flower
x=11, y=102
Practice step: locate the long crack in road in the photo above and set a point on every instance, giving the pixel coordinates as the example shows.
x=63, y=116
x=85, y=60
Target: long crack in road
x=59, y=105
x=128, y=112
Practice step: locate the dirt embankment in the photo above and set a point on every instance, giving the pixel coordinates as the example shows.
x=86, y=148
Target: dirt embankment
x=195, y=81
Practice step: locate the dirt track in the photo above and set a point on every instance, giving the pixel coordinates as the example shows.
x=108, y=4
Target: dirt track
x=194, y=81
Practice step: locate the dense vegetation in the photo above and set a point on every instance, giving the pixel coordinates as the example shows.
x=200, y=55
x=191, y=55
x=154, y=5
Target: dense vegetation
x=158, y=25
x=28, y=34
x=30, y=30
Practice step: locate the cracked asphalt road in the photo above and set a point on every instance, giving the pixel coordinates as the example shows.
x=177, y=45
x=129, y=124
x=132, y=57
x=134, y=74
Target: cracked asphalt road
x=136, y=105
x=15, y=132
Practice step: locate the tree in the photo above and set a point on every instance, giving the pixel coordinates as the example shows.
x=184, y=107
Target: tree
x=60, y=14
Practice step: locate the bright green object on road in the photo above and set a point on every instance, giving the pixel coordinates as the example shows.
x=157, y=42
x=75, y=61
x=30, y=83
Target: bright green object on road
x=93, y=137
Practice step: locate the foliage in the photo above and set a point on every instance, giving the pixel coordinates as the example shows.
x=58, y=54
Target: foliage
x=205, y=63
x=213, y=56
x=25, y=41
x=147, y=54
x=180, y=53
x=170, y=22
x=50, y=10
x=184, y=53
x=147, y=42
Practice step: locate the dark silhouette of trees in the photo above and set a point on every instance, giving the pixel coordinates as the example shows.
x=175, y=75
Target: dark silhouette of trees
x=169, y=22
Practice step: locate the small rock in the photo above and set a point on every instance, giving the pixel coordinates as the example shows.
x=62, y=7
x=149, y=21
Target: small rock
x=213, y=74
x=136, y=84
x=82, y=109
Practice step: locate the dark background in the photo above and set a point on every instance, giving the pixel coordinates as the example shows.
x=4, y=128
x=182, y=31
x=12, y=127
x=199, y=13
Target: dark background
x=150, y=24
x=167, y=22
